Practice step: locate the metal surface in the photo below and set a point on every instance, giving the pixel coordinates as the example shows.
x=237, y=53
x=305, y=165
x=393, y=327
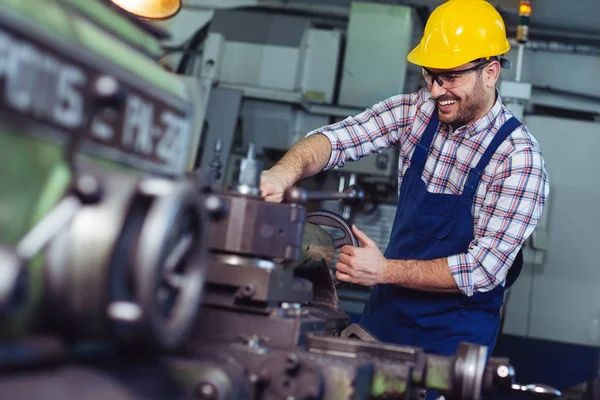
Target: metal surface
x=355, y=348
x=276, y=330
x=258, y=229
x=252, y=283
x=519, y=70
x=356, y=331
x=218, y=376
x=291, y=376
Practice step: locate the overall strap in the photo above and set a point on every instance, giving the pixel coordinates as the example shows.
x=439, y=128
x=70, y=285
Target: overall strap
x=475, y=173
x=420, y=154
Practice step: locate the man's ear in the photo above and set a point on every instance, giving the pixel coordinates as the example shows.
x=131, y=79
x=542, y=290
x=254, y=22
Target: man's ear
x=491, y=74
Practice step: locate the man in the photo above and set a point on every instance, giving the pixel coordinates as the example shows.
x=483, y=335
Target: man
x=472, y=185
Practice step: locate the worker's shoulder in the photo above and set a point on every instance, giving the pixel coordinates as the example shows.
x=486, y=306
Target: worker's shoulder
x=521, y=140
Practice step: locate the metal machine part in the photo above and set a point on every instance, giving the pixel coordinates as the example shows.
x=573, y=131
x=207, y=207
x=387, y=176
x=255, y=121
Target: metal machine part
x=356, y=331
x=327, y=367
x=279, y=319
x=269, y=275
x=14, y=262
x=254, y=228
x=246, y=180
x=130, y=265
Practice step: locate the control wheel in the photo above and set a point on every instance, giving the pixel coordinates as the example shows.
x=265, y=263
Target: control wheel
x=131, y=266
x=170, y=261
x=333, y=220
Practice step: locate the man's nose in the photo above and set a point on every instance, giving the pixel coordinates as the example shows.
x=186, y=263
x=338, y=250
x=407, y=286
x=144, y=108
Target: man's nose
x=437, y=90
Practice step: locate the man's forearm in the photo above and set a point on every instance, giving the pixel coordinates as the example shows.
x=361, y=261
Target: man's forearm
x=427, y=275
x=306, y=158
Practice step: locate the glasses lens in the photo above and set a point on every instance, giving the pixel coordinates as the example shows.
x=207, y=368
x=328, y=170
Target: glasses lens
x=454, y=80
x=449, y=80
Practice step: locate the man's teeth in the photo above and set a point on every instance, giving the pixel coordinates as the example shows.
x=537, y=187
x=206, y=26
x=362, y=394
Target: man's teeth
x=447, y=102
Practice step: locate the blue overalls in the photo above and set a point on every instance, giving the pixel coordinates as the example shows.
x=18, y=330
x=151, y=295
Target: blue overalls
x=428, y=226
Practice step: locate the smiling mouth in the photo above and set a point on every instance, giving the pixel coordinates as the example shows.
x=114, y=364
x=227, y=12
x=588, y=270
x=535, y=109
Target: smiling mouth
x=446, y=102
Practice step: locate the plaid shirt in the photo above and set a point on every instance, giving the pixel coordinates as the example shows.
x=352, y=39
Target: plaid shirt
x=511, y=193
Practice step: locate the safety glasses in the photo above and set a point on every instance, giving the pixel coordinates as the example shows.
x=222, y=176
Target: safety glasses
x=449, y=80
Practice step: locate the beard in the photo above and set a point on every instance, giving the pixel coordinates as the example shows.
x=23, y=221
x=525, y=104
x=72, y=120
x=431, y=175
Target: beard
x=467, y=109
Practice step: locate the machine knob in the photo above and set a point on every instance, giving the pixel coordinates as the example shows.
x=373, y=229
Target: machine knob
x=246, y=178
x=216, y=165
x=88, y=188
x=108, y=91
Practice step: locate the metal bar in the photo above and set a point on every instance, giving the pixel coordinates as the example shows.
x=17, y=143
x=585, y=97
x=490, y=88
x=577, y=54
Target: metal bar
x=35, y=240
x=519, y=63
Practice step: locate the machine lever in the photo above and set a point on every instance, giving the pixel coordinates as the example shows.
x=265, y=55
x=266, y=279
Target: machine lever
x=353, y=195
x=538, y=390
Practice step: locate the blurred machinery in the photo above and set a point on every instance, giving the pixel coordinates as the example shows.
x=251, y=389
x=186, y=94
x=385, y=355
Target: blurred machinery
x=126, y=274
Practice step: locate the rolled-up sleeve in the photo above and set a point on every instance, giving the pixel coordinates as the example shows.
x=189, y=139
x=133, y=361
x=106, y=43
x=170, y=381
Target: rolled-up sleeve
x=511, y=209
x=375, y=129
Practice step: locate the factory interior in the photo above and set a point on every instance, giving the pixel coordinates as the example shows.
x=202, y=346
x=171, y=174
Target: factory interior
x=139, y=258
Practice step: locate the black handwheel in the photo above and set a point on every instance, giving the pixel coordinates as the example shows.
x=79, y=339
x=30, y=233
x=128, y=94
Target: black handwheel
x=170, y=262
x=333, y=220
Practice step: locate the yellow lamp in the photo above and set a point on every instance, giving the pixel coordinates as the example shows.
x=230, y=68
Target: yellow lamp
x=151, y=9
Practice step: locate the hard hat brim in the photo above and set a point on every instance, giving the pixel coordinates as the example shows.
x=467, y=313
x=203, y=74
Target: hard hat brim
x=428, y=60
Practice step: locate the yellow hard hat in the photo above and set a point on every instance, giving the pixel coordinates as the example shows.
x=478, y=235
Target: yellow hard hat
x=458, y=32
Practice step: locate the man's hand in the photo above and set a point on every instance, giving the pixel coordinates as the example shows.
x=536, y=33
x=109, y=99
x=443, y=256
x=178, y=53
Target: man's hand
x=362, y=265
x=272, y=185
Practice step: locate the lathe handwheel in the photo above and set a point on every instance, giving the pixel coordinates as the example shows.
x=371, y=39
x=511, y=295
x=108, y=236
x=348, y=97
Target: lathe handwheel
x=170, y=262
x=333, y=220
